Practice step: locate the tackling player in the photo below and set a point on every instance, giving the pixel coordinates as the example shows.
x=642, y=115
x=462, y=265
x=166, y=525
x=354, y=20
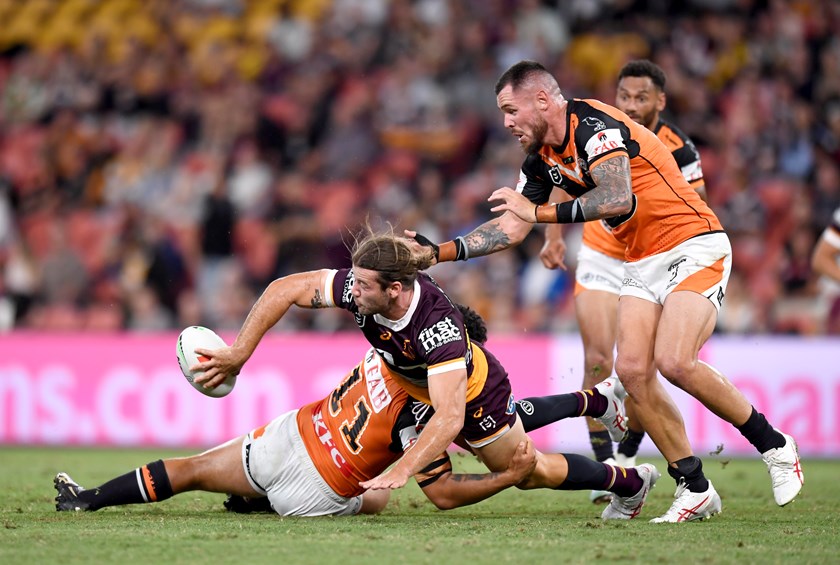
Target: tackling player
x=329, y=456
x=600, y=261
x=677, y=263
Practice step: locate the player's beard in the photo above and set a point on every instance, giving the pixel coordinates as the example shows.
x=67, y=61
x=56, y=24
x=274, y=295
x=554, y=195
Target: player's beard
x=538, y=131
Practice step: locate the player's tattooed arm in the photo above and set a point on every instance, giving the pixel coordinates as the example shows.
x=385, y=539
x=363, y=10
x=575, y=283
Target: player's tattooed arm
x=613, y=194
x=486, y=239
x=497, y=234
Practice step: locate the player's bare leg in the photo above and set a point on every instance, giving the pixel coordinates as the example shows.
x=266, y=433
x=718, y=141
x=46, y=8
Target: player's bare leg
x=654, y=408
x=217, y=470
x=374, y=501
x=687, y=321
x=596, y=317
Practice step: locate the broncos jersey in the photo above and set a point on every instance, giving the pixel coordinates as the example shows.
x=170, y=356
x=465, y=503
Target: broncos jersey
x=666, y=210
x=429, y=339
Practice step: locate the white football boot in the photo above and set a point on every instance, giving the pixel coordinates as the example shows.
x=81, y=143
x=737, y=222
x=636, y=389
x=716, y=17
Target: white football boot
x=689, y=506
x=785, y=470
x=614, y=419
x=628, y=507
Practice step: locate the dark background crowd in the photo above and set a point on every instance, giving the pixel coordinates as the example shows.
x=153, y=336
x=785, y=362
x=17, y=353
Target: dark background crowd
x=162, y=161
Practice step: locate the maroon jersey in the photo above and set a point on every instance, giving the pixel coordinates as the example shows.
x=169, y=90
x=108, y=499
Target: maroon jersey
x=431, y=339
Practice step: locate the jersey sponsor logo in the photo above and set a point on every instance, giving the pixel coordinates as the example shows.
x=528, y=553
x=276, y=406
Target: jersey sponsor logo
x=385, y=335
x=594, y=123
x=692, y=171
x=604, y=141
x=631, y=282
x=441, y=333
x=347, y=291
x=375, y=380
x=326, y=439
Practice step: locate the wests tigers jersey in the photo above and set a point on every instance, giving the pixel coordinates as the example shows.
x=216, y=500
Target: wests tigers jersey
x=430, y=339
x=667, y=211
x=598, y=235
x=361, y=428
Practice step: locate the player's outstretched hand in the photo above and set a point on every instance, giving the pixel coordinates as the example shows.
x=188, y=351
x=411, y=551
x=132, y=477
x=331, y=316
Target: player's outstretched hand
x=514, y=202
x=523, y=462
x=391, y=479
x=218, y=365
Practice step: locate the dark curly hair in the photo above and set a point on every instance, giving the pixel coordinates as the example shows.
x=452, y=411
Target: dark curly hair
x=474, y=323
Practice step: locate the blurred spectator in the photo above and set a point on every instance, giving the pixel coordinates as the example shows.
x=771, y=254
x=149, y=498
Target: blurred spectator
x=162, y=161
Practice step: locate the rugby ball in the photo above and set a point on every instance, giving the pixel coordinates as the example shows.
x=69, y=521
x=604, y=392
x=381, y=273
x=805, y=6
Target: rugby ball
x=200, y=337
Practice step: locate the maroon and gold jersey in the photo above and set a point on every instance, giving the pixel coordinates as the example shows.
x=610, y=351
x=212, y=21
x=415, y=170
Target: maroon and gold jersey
x=361, y=428
x=431, y=339
x=667, y=211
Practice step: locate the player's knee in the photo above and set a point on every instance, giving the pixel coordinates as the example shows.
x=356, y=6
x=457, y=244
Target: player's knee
x=676, y=369
x=599, y=366
x=630, y=370
x=375, y=501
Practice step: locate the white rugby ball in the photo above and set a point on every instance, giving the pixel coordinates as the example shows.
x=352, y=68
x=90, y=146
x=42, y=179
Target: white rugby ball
x=200, y=337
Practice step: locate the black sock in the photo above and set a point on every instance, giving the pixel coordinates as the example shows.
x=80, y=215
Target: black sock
x=539, y=411
x=148, y=483
x=629, y=446
x=690, y=469
x=601, y=445
x=584, y=473
x=760, y=433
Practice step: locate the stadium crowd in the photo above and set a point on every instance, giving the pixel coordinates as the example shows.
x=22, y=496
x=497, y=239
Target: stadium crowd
x=162, y=161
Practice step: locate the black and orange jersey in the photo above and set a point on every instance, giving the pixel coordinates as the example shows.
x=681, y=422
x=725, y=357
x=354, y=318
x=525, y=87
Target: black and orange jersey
x=361, y=428
x=684, y=151
x=667, y=211
x=430, y=339
x=598, y=235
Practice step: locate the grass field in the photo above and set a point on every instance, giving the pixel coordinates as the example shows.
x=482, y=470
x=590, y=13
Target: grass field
x=513, y=527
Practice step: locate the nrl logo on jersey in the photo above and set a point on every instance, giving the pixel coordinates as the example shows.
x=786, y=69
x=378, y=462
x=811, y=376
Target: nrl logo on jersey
x=443, y=332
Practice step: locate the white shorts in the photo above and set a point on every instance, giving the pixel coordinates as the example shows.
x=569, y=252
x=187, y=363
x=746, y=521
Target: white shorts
x=277, y=464
x=701, y=264
x=596, y=271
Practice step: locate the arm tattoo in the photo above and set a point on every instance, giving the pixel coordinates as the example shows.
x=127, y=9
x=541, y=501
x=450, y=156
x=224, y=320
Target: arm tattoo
x=613, y=193
x=317, y=301
x=464, y=477
x=486, y=239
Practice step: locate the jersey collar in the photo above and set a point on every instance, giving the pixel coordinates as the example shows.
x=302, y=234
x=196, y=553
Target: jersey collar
x=399, y=325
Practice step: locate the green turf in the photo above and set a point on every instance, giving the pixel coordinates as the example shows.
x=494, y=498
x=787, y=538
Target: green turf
x=514, y=527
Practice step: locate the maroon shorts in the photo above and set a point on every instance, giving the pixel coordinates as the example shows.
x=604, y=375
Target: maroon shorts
x=493, y=412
